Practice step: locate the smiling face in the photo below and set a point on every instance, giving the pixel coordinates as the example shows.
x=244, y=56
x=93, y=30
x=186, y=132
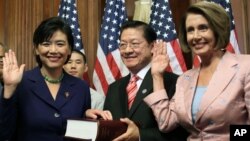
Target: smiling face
x=135, y=50
x=54, y=53
x=200, y=36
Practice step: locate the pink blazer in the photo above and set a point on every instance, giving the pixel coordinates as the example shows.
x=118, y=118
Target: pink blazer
x=226, y=101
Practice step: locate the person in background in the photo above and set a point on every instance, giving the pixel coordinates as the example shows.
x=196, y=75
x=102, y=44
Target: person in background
x=3, y=49
x=36, y=104
x=77, y=66
x=124, y=99
x=210, y=98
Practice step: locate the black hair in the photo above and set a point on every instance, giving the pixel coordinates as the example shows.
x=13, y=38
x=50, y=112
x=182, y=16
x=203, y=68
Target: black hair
x=82, y=54
x=149, y=33
x=45, y=31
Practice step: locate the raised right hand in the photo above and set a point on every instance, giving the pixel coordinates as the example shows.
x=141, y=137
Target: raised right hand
x=12, y=73
x=160, y=59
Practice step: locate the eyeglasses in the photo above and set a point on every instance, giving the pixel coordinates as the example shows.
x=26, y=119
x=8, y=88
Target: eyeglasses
x=133, y=45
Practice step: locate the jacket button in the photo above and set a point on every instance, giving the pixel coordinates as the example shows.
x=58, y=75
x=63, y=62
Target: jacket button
x=56, y=115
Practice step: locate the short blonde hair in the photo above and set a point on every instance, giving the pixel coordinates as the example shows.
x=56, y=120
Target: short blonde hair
x=217, y=18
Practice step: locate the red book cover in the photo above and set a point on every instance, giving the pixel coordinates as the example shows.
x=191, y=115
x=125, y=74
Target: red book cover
x=94, y=130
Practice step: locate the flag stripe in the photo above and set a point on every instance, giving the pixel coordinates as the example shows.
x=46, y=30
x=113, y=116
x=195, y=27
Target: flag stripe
x=234, y=42
x=100, y=84
x=109, y=66
x=123, y=69
x=104, y=65
x=179, y=56
x=178, y=62
x=113, y=66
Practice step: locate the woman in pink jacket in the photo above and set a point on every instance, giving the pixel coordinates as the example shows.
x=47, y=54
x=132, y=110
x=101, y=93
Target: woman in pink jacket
x=212, y=97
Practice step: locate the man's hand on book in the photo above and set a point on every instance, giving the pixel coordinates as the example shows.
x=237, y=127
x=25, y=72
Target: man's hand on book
x=96, y=114
x=132, y=133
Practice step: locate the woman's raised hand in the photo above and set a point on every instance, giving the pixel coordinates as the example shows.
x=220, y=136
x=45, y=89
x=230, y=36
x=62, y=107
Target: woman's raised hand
x=12, y=73
x=160, y=59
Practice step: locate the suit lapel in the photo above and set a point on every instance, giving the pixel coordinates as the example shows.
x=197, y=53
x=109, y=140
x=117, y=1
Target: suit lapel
x=221, y=78
x=41, y=90
x=189, y=87
x=64, y=95
x=144, y=90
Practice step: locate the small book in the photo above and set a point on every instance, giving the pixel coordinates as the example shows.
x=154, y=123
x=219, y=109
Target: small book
x=94, y=130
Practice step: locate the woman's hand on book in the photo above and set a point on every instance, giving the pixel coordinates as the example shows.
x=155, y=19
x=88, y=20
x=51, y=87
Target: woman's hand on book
x=96, y=114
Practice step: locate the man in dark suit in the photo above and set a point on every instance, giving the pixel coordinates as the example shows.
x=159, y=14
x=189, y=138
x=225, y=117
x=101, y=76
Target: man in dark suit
x=136, y=42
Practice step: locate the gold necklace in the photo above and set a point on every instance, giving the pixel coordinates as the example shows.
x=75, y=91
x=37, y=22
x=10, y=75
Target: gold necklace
x=54, y=81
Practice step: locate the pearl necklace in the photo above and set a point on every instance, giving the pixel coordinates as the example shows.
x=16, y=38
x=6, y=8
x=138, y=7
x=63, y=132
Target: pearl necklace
x=53, y=81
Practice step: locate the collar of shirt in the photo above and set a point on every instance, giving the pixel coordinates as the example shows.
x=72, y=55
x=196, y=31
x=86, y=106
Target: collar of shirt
x=142, y=73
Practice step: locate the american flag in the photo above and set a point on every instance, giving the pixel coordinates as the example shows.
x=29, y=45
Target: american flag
x=233, y=45
x=162, y=22
x=68, y=11
x=108, y=65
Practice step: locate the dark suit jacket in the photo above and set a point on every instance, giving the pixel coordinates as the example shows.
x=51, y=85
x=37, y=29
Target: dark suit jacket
x=34, y=115
x=116, y=102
